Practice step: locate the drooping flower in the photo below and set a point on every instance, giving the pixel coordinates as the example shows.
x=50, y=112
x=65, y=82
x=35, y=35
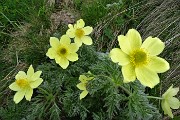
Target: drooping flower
x=62, y=51
x=169, y=101
x=80, y=33
x=82, y=86
x=139, y=60
x=25, y=83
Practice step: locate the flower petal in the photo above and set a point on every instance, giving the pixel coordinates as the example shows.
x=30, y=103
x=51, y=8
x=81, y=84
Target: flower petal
x=83, y=78
x=147, y=77
x=173, y=91
x=90, y=78
x=70, y=26
x=21, y=75
x=36, y=75
x=81, y=86
x=158, y=64
x=75, y=26
x=87, y=30
x=71, y=33
x=170, y=92
x=128, y=72
x=14, y=87
x=80, y=23
x=117, y=55
x=51, y=53
x=130, y=42
x=72, y=57
x=83, y=94
x=153, y=45
x=63, y=62
x=166, y=108
x=19, y=96
x=28, y=94
x=36, y=83
x=87, y=40
x=134, y=37
x=30, y=71
x=73, y=47
x=174, y=103
x=54, y=42
x=65, y=39
x=78, y=41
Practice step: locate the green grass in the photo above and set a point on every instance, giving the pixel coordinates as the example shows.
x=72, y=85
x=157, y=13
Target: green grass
x=21, y=25
x=14, y=13
x=23, y=37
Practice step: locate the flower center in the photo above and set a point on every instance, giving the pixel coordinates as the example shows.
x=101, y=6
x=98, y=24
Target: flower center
x=79, y=32
x=62, y=51
x=139, y=57
x=22, y=83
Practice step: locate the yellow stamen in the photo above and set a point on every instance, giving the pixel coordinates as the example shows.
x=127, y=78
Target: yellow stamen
x=79, y=32
x=139, y=57
x=22, y=83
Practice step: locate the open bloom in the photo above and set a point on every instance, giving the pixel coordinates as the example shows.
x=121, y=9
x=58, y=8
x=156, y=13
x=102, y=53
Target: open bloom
x=169, y=101
x=139, y=60
x=62, y=51
x=79, y=33
x=24, y=84
x=82, y=86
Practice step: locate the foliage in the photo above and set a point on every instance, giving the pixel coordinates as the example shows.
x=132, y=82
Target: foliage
x=58, y=96
x=140, y=104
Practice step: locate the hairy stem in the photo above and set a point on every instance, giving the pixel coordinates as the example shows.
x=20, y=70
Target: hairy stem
x=154, y=97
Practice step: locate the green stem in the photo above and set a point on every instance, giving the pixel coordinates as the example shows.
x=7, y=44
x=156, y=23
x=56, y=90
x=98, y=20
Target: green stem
x=155, y=97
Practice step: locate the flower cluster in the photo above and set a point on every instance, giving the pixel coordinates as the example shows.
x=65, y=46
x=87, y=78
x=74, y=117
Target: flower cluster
x=64, y=51
x=138, y=60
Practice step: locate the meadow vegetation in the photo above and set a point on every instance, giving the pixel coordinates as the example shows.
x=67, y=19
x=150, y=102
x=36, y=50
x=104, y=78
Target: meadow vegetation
x=25, y=29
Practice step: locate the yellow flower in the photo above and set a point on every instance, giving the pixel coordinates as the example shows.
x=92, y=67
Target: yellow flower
x=169, y=101
x=24, y=84
x=79, y=33
x=82, y=86
x=139, y=60
x=62, y=51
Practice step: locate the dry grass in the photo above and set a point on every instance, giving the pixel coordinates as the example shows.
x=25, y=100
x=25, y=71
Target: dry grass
x=164, y=22
x=160, y=19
